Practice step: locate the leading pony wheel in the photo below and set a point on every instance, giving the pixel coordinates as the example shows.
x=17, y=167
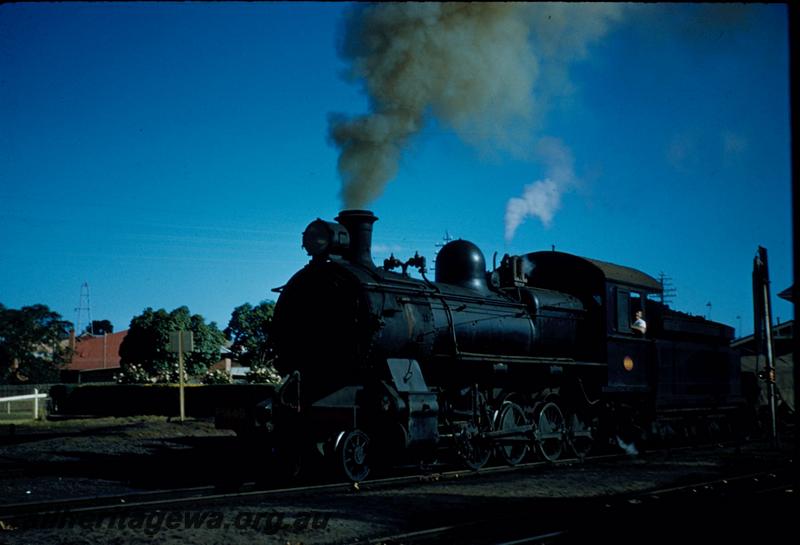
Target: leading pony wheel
x=352, y=451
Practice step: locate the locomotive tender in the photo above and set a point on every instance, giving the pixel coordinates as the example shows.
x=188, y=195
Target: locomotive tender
x=537, y=354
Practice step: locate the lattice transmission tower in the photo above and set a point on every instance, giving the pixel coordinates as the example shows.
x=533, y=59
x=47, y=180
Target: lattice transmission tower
x=84, y=308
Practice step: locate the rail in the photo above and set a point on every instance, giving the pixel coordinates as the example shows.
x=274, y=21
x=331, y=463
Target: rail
x=213, y=493
x=35, y=396
x=19, y=513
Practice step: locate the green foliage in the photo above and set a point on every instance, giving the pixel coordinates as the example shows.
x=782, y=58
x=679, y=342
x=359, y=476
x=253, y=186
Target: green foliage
x=249, y=329
x=133, y=374
x=169, y=373
x=33, y=344
x=218, y=376
x=147, y=344
x=263, y=374
x=99, y=327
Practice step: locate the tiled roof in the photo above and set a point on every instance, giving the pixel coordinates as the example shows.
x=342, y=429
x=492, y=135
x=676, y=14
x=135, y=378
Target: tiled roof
x=99, y=352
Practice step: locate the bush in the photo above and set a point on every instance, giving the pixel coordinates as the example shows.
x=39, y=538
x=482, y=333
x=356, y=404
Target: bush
x=218, y=376
x=169, y=373
x=263, y=374
x=166, y=373
x=153, y=399
x=133, y=374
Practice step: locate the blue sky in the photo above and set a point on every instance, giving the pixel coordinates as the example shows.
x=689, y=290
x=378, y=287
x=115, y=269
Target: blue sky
x=172, y=154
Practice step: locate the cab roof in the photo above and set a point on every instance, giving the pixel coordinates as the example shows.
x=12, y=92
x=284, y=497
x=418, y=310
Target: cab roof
x=611, y=272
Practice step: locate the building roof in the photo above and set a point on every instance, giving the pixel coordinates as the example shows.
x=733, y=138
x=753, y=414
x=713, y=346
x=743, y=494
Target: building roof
x=782, y=336
x=788, y=294
x=97, y=352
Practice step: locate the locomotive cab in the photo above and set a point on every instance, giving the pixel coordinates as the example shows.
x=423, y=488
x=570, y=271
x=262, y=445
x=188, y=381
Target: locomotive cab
x=611, y=294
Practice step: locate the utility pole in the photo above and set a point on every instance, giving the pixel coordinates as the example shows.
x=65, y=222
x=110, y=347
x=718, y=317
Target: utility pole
x=667, y=290
x=445, y=239
x=439, y=245
x=762, y=332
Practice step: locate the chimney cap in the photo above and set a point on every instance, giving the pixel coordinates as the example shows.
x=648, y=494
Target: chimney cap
x=359, y=224
x=356, y=213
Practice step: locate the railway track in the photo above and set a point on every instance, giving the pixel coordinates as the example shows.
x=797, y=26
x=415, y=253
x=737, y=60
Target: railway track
x=251, y=491
x=462, y=506
x=178, y=496
x=588, y=521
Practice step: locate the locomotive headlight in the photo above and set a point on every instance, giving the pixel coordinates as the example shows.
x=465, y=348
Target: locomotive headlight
x=322, y=238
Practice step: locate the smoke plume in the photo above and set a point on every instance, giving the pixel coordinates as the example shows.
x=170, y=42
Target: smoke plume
x=542, y=198
x=470, y=65
x=473, y=66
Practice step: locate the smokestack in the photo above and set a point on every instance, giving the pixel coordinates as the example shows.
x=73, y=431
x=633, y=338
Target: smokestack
x=359, y=224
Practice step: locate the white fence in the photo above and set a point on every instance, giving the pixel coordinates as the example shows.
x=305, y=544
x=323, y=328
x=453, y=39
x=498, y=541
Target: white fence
x=28, y=399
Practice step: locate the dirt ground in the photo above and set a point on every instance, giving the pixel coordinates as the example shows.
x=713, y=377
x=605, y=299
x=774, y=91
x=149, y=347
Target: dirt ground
x=118, y=455
x=45, y=439
x=98, y=456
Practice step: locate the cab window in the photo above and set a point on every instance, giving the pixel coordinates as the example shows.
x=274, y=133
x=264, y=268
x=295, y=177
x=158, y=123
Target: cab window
x=628, y=302
x=623, y=311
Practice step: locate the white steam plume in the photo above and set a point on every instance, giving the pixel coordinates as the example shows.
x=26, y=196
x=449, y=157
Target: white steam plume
x=472, y=65
x=542, y=198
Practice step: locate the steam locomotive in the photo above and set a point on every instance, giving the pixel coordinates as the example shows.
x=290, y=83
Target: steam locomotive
x=538, y=354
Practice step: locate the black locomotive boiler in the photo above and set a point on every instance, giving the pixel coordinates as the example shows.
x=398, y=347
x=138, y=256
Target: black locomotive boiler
x=536, y=354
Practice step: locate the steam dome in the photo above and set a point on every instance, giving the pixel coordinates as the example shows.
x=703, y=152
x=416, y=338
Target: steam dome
x=461, y=263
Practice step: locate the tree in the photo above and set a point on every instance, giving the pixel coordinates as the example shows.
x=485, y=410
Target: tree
x=147, y=343
x=249, y=330
x=99, y=327
x=32, y=344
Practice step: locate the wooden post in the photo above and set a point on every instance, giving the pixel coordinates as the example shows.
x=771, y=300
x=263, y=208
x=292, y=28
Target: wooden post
x=180, y=374
x=180, y=341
